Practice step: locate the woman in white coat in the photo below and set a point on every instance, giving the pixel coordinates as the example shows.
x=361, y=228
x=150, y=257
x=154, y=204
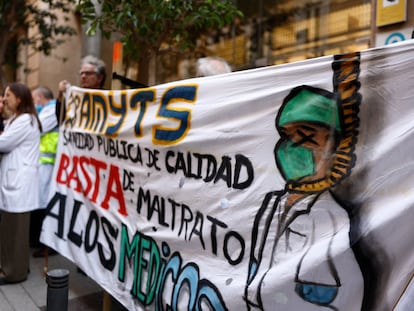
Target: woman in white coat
x=19, y=146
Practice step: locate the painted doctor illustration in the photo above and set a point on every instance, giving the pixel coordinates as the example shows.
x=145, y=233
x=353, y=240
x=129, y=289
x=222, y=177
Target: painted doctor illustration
x=300, y=256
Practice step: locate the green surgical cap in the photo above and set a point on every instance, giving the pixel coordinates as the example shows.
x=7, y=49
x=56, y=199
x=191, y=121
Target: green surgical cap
x=308, y=105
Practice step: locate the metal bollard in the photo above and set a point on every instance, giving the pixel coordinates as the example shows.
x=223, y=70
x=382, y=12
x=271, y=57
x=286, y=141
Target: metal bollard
x=57, y=290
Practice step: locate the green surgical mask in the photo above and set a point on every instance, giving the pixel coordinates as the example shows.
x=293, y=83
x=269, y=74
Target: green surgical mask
x=295, y=161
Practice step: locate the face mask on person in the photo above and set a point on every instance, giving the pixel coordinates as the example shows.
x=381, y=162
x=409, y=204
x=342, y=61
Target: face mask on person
x=295, y=162
x=38, y=108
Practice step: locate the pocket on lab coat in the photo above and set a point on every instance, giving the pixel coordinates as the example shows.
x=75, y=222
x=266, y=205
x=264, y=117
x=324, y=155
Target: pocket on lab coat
x=12, y=179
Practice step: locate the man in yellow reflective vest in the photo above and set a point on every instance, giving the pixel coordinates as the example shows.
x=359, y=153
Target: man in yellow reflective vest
x=46, y=106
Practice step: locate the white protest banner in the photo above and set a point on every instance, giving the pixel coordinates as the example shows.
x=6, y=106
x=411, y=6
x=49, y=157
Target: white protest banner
x=281, y=188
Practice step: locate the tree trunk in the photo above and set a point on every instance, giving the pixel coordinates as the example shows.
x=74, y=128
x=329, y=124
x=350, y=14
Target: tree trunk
x=147, y=70
x=3, y=47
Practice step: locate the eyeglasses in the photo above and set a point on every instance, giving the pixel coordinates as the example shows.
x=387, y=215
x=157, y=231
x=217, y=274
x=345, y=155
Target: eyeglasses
x=87, y=73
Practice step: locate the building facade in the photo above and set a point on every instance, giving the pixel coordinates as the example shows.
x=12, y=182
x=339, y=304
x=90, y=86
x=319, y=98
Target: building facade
x=275, y=34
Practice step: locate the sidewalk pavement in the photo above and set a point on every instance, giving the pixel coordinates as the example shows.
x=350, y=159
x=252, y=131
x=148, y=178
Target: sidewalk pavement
x=31, y=295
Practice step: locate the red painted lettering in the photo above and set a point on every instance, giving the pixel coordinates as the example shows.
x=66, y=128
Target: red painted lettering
x=86, y=172
x=114, y=180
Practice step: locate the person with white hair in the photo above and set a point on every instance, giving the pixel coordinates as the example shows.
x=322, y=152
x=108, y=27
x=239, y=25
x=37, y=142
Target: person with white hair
x=92, y=75
x=46, y=104
x=210, y=66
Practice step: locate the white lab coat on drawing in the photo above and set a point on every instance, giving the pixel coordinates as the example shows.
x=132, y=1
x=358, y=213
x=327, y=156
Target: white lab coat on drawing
x=313, y=247
x=19, y=146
